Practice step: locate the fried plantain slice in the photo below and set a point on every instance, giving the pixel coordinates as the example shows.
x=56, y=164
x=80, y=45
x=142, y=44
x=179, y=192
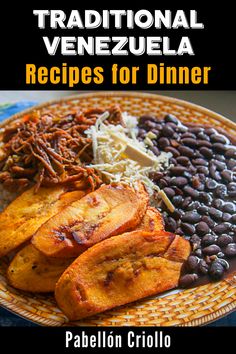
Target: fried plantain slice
x=28, y=212
x=120, y=270
x=152, y=221
x=110, y=210
x=31, y=271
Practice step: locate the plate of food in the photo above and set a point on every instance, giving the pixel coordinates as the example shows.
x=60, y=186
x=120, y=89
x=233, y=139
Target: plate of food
x=118, y=209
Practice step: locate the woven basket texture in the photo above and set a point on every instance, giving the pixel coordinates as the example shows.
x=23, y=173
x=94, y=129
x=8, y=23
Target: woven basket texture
x=190, y=307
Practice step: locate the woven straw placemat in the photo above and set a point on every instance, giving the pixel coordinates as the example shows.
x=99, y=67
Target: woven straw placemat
x=190, y=307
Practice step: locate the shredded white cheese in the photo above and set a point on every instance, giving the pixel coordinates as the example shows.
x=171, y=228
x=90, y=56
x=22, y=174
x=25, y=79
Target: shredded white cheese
x=120, y=157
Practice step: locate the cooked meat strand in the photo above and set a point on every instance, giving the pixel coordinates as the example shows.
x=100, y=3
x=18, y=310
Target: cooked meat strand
x=50, y=150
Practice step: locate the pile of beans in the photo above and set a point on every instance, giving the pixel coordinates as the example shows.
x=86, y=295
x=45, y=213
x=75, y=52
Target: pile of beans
x=201, y=184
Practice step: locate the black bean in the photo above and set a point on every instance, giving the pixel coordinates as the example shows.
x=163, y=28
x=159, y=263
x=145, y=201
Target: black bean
x=215, y=213
x=150, y=124
x=206, y=152
x=189, y=135
x=224, y=240
x=167, y=131
x=156, y=176
x=233, y=219
x=208, y=221
x=230, y=250
x=203, y=136
x=169, y=192
x=232, y=189
x=187, y=174
x=205, y=198
x=232, y=231
x=203, y=267
x=158, y=126
x=192, y=192
x=201, y=188
x=155, y=150
x=219, y=165
x=189, y=142
x=179, y=231
x=187, y=280
x=192, y=169
x=210, y=131
x=170, y=224
x=154, y=142
x=202, y=177
x=208, y=240
x=178, y=191
x=172, y=150
x=216, y=270
x=155, y=131
x=229, y=208
x=171, y=118
x=202, y=228
x=163, y=142
x=186, y=202
x=193, y=206
x=221, y=228
x=177, y=214
x=195, y=240
x=216, y=138
x=200, y=162
x=226, y=217
x=172, y=160
x=206, y=176
x=203, y=169
x=231, y=164
x=191, y=217
x=231, y=153
x=186, y=151
x=147, y=117
x=219, y=157
x=227, y=175
x=221, y=191
x=211, y=184
x=211, y=250
x=192, y=263
x=198, y=252
x=188, y=228
x=179, y=181
x=224, y=263
x=204, y=143
x=142, y=132
x=178, y=170
x=203, y=209
x=183, y=160
x=163, y=183
x=218, y=203
x=214, y=173
x=196, y=130
x=177, y=200
x=167, y=178
x=218, y=147
x=181, y=129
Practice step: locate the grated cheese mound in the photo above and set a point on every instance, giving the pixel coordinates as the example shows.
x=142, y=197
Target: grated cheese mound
x=120, y=157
